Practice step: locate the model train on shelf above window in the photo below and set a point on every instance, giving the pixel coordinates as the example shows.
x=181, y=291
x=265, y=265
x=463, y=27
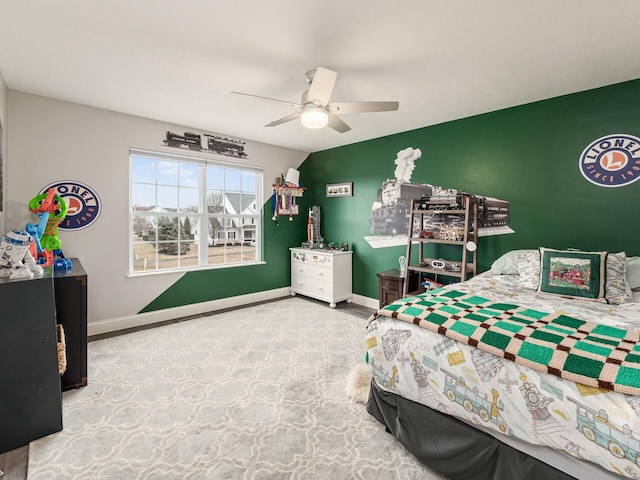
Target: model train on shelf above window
x=214, y=144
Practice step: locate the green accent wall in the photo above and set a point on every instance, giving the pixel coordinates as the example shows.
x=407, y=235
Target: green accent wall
x=527, y=154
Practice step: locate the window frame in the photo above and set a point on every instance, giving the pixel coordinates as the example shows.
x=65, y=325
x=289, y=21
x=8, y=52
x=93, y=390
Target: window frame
x=203, y=215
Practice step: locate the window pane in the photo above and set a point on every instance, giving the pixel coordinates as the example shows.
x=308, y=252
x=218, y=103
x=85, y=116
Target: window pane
x=189, y=229
x=188, y=200
x=143, y=197
x=191, y=257
x=247, y=204
x=232, y=180
x=143, y=170
x=248, y=182
x=214, y=228
x=168, y=198
x=189, y=175
x=215, y=201
x=168, y=255
x=215, y=178
x=144, y=228
x=167, y=229
x=144, y=257
x=168, y=172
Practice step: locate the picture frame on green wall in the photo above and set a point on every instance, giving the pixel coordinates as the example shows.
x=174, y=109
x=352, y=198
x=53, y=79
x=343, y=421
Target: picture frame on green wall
x=344, y=189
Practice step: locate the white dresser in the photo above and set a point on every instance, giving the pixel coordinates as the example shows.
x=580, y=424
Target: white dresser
x=321, y=274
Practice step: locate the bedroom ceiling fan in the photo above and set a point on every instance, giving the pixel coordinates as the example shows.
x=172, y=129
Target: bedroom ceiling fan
x=315, y=110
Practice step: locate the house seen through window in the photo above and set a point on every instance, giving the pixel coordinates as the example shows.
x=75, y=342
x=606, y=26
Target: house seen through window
x=192, y=213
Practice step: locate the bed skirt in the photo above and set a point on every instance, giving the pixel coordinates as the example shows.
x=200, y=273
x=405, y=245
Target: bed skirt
x=452, y=447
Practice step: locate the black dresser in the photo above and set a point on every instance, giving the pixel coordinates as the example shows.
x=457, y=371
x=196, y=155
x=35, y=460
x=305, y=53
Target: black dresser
x=30, y=396
x=30, y=381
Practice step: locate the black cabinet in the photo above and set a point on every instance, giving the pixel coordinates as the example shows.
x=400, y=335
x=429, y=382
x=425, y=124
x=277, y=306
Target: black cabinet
x=30, y=397
x=71, y=310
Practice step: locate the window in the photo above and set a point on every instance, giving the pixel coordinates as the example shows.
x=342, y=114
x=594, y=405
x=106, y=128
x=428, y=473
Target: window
x=190, y=213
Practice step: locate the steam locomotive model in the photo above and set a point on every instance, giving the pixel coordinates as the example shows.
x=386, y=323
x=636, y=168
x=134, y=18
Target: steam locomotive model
x=215, y=144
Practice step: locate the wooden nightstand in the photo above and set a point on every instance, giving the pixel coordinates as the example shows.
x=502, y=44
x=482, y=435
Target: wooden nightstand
x=392, y=283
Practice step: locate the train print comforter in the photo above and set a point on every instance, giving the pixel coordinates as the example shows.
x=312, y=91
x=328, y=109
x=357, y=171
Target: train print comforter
x=497, y=391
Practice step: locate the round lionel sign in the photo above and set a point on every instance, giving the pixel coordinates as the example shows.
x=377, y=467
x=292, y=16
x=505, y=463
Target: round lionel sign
x=612, y=161
x=84, y=204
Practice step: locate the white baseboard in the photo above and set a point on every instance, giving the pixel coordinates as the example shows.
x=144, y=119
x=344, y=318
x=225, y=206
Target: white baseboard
x=366, y=301
x=142, y=319
x=148, y=318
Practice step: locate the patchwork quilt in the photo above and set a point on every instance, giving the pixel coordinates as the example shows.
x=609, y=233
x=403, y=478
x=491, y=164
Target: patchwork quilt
x=586, y=352
x=542, y=368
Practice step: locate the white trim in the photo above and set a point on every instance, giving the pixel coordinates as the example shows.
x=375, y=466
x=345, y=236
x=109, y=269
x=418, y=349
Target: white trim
x=368, y=302
x=149, y=318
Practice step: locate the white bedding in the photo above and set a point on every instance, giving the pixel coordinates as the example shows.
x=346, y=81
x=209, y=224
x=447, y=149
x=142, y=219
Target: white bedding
x=499, y=395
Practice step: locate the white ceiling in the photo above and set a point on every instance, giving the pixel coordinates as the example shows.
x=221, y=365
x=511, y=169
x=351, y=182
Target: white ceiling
x=177, y=61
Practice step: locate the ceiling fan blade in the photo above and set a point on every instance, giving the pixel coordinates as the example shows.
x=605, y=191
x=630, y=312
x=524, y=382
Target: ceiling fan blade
x=282, y=120
x=291, y=104
x=337, y=124
x=322, y=86
x=363, y=107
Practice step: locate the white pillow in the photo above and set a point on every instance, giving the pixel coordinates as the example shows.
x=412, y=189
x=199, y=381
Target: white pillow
x=507, y=264
x=633, y=272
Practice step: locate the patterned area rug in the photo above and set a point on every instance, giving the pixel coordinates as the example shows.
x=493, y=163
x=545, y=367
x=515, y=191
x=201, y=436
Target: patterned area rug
x=253, y=394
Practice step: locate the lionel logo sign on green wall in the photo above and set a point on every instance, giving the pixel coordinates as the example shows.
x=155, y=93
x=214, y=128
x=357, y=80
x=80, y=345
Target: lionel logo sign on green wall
x=612, y=161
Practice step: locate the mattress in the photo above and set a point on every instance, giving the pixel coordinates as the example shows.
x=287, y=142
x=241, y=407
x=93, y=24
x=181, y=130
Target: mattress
x=511, y=401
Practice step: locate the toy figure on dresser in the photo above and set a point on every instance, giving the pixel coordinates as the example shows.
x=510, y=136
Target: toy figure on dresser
x=15, y=258
x=45, y=247
x=314, y=239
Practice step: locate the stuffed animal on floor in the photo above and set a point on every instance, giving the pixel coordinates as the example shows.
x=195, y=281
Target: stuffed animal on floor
x=359, y=383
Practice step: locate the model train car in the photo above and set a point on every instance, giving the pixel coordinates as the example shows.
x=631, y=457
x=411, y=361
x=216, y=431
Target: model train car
x=225, y=146
x=214, y=144
x=191, y=140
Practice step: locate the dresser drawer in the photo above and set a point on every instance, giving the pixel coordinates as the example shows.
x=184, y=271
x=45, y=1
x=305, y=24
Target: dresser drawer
x=322, y=289
x=316, y=272
x=318, y=259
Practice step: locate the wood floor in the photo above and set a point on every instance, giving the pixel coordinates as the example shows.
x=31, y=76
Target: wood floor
x=14, y=464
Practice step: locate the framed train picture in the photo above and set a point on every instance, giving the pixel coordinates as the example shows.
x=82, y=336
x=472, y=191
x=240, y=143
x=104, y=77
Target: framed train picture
x=340, y=189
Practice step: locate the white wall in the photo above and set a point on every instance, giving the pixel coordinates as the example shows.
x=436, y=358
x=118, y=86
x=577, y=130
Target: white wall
x=51, y=140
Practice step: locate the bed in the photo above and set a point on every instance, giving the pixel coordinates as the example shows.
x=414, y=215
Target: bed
x=526, y=371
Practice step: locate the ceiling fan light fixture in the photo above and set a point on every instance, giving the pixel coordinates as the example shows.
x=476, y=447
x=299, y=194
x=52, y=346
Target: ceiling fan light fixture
x=314, y=117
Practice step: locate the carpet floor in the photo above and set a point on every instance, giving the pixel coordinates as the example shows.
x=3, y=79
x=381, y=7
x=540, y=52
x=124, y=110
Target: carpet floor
x=257, y=393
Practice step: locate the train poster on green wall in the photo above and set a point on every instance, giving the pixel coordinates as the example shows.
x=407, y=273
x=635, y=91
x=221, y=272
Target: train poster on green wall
x=390, y=212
